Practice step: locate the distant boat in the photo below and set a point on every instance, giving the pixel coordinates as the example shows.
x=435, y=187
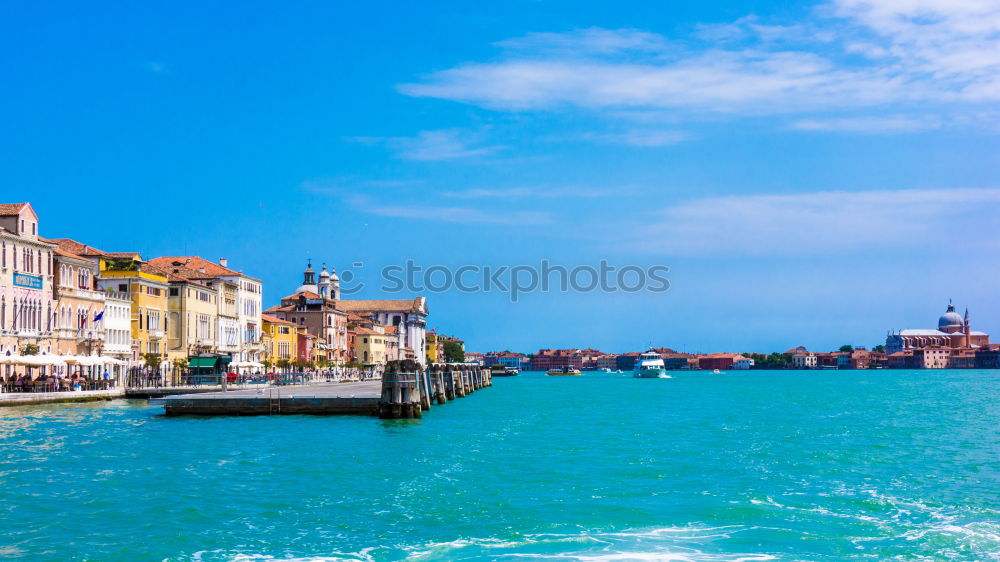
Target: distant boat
x=501, y=371
x=650, y=366
x=715, y=372
x=564, y=372
x=605, y=370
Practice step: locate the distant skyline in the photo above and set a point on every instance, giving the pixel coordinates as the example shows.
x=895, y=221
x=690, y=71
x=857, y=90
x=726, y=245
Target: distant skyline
x=812, y=173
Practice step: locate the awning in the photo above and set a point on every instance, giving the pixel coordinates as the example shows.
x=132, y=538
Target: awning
x=202, y=362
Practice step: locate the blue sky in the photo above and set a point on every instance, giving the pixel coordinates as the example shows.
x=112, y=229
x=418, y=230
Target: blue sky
x=812, y=173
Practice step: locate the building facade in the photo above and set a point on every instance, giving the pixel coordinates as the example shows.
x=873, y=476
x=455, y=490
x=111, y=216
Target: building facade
x=79, y=307
x=953, y=331
x=27, y=300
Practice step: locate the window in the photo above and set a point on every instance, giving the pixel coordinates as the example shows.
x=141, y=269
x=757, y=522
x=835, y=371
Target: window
x=122, y=288
x=174, y=292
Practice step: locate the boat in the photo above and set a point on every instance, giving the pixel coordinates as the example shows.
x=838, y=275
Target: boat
x=650, y=366
x=605, y=370
x=564, y=372
x=715, y=372
x=502, y=371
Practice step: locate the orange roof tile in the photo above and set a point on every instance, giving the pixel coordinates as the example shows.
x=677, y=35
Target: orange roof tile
x=193, y=262
x=8, y=209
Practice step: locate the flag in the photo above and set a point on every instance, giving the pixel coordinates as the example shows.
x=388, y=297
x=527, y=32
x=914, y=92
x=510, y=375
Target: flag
x=98, y=316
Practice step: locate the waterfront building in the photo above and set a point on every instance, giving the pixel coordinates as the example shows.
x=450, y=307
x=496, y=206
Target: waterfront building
x=78, y=327
x=609, y=361
x=431, y=347
x=305, y=345
x=988, y=358
x=724, y=361
x=480, y=359
x=228, y=339
x=626, y=361
x=804, y=360
x=547, y=359
x=117, y=321
x=146, y=288
x=392, y=349
x=26, y=278
x=953, y=331
x=249, y=291
x=371, y=345
x=281, y=339
x=410, y=315
x=192, y=321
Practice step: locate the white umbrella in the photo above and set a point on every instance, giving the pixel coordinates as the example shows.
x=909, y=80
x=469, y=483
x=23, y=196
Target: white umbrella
x=10, y=360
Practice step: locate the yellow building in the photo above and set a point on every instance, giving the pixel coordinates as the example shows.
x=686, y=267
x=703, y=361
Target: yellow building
x=371, y=345
x=147, y=288
x=280, y=338
x=192, y=322
x=432, y=347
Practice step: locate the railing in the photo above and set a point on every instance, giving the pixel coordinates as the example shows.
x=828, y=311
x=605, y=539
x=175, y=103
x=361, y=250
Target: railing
x=156, y=334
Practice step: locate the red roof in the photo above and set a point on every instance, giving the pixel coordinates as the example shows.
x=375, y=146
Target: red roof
x=8, y=209
x=275, y=320
x=194, y=262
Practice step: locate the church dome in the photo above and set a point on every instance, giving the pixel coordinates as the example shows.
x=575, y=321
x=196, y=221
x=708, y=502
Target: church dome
x=950, y=319
x=324, y=275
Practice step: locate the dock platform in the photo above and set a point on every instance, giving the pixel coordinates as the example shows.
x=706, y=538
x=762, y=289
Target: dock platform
x=359, y=398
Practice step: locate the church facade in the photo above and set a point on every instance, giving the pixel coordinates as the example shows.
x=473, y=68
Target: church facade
x=953, y=331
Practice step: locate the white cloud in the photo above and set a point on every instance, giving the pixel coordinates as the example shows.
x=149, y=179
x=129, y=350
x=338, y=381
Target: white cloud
x=463, y=215
x=888, y=124
x=592, y=41
x=384, y=204
x=857, y=54
x=834, y=223
x=538, y=192
x=442, y=144
x=639, y=137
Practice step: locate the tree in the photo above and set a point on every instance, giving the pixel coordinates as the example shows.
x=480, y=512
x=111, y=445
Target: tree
x=29, y=349
x=153, y=360
x=453, y=352
x=283, y=364
x=267, y=363
x=846, y=348
x=879, y=348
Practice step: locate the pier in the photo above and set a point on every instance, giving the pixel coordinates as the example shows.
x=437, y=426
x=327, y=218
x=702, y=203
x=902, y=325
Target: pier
x=406, y=391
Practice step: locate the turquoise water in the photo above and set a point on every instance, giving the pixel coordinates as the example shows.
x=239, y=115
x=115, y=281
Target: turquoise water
x=753, y=466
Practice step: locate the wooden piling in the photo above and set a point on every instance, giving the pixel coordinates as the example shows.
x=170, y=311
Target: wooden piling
x=425, y=389
x=459, y=375
x=400, y=390
x=437, y=384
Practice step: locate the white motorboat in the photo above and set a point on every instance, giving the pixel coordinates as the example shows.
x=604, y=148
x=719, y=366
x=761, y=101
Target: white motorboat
x=650, y=366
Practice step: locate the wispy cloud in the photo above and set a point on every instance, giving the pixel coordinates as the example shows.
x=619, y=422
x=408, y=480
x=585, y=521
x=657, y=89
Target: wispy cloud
x=833, y=223
x=397, y=204
x=462, y=215
x=539, y=192
x=857, y=55
x=443, y=144
x=889, y=124
x=639, y=137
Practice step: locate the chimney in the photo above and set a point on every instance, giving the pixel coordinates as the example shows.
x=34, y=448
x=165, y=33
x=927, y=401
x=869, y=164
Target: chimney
x=224, y=262
x=201, y=270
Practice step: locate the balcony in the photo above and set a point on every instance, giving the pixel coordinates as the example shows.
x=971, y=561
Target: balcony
x=155, y=334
